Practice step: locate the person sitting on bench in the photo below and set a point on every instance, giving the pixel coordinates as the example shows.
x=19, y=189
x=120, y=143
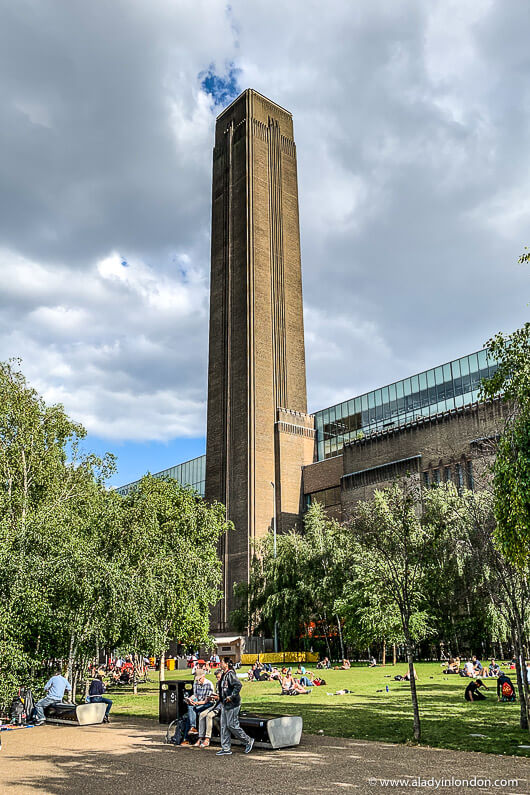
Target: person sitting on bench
x=199, y=701
x=95, y=695
x=54, y=689
x=206, y=717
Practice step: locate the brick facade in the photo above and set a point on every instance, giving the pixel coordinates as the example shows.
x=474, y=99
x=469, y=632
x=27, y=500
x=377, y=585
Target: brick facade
x=456, y=446
x=256, y=354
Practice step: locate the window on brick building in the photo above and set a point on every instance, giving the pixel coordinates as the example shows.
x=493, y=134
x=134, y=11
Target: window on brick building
x=426, y=478
x=459, y=477
x=447, y=474
x=326, y=497
x=470, y=480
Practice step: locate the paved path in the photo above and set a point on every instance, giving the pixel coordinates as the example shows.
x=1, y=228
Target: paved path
x=129, y=757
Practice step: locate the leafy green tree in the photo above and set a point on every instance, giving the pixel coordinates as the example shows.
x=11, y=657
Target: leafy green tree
x=172, y=571
x=299, y=585
x=511, y=469
x=507, y=585
x=390, y=549
x=44, y=479
x=82, y=568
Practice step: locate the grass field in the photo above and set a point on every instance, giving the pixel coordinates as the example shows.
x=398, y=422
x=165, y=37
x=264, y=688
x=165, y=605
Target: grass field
x=369, y=712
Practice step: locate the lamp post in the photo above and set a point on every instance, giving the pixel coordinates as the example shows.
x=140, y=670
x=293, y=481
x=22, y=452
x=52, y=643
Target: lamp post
x=274, y=551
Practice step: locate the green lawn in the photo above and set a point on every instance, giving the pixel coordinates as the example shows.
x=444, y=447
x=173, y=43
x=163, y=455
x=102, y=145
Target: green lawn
x=370, y=712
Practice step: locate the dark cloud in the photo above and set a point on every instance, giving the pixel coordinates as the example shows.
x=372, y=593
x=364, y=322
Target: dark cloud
x=411, y=122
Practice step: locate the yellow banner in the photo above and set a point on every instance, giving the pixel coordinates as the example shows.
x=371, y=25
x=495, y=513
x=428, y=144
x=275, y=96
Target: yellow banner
x=281, y=657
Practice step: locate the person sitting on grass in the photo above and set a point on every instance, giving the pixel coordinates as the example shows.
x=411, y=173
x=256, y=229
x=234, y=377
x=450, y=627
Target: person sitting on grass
x=290, y=685
x=493, y=668
x=472, y=692
x=505, y=688
x=257, y=673
x=325, y=663
x=469, y=668
x=346, y=665
x=407, y=675
x=372, y=663
x=478, y=670
x=452, y=667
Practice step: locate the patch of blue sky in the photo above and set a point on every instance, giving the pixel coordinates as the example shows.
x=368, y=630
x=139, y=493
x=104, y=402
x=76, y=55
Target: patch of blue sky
x=135, y=459
x=223, y=88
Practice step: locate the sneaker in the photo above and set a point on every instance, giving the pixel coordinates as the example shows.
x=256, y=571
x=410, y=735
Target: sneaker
x=39, y=723
x=249, y=746
x=106, y=719
x=223, y=753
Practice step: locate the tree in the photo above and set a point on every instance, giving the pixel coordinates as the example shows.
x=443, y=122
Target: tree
x=45, y=481
x=82, y=568
x=507, y=585
x=172, y=572
x=299, y=585
x=511, y=468
x=390, y=548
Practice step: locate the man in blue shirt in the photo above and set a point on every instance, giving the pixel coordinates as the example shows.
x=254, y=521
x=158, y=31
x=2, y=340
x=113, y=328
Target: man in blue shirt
x=54, y=689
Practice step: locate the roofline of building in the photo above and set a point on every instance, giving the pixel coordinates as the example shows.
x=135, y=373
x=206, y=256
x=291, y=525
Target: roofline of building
x=252, y=91
x=397, y=381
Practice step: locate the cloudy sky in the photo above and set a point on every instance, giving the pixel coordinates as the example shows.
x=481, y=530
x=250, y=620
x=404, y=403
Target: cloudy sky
x=412, y=127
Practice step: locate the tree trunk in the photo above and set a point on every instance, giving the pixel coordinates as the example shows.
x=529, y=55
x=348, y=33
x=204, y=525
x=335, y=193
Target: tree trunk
x=162, y=672
x=393, y=654
x=383, y=657
x=69, y=671
x=501, y=650
x=522, y=678
x=413, y=693
x=523, y=717
x=340, y=638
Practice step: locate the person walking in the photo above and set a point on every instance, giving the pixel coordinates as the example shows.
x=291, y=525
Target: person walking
x=95, y=695
x=228, y=690
x=54, y=689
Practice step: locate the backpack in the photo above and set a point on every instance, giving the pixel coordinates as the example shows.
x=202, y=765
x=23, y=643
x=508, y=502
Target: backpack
x=16, y=711
x=180, y=731
x=508, y=693
x=29, y=703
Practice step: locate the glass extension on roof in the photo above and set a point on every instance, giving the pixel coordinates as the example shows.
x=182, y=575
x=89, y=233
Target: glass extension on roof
x=190, y=473
x=443, y=388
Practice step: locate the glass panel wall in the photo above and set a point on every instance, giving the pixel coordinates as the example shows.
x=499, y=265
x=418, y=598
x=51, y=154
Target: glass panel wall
x=439, y=389
x=190, y=473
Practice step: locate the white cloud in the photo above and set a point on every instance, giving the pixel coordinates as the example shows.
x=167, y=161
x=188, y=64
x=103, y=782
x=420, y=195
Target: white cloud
x=412, y=123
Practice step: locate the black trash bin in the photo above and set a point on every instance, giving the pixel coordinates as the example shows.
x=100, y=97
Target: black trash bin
x=171, y=704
